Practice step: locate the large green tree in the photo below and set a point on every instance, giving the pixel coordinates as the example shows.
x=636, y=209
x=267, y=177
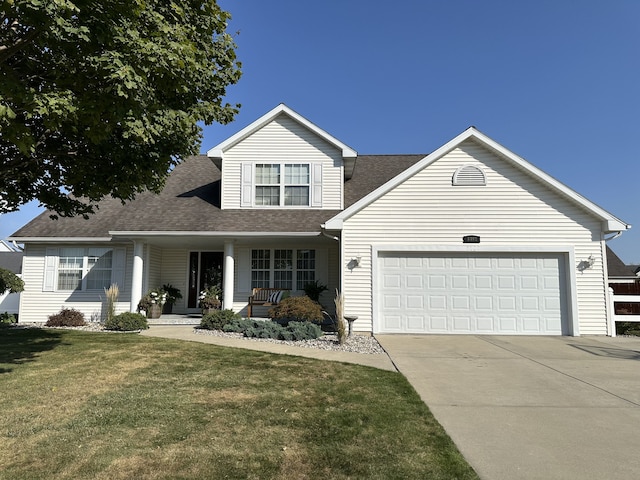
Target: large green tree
x=103, y=97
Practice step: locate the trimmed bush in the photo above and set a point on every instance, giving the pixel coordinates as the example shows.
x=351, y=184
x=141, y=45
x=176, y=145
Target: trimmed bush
x=239, y=326
x=217, y=319
x=303, y=331
x=67, y=317
x=297, y=309
x=127, y=322
x=266, y=329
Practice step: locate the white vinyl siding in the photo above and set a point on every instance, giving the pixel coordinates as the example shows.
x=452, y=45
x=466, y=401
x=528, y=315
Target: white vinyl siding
x=512, y=210
x=283, y=141
x=39, y=299
x=175, y=272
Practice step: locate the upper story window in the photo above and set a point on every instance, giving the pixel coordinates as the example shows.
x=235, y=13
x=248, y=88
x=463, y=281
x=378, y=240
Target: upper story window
x=282, y=184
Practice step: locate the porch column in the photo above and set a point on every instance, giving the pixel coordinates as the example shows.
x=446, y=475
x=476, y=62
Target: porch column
x=136, y=275
x=227, y=288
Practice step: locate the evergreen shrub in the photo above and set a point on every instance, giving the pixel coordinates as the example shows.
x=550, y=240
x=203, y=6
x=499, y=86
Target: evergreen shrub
x=217, y=319
x=127, y=322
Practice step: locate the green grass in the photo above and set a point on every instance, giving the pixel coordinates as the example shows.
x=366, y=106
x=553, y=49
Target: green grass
x=79, y=405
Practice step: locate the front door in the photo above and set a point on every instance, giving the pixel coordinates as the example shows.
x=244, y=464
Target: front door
x=205, y=269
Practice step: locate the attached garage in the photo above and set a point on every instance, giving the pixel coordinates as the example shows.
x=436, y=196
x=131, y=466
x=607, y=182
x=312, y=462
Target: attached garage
x=472, y=293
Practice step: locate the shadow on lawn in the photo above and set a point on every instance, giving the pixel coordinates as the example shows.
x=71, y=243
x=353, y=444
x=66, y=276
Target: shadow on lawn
x=22, y=345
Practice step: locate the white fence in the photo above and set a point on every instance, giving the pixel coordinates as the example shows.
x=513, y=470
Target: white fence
x=624, y=308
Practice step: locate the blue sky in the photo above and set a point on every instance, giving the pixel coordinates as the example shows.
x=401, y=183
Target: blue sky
x=554, y=81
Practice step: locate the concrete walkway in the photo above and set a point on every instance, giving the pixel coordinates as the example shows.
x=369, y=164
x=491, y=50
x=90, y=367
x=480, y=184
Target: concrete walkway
x=186, y=332
x=531, y=407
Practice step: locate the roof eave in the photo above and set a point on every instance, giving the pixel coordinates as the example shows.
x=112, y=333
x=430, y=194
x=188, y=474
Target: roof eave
x=612, y=224
x=217, y=152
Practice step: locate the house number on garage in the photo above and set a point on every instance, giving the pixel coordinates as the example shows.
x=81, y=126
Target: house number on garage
x=471, y=239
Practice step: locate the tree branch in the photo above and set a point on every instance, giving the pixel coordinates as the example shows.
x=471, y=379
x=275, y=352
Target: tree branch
x=8, y=51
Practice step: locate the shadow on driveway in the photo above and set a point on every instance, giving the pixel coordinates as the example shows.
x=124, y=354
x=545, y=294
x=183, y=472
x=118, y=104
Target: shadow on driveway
x=608, y=352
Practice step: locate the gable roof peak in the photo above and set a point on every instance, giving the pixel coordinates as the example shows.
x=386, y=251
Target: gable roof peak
x=218, y=151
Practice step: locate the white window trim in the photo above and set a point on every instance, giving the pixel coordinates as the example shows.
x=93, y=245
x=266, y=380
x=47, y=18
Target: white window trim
x=249, y=184
x=294, y=269
x=52, y=268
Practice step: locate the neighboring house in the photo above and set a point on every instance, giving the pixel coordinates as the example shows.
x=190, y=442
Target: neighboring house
x=617, y=270
x=468, y=239
x=11, y=260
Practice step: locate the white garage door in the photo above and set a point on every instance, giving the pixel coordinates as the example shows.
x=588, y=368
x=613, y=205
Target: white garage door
x=472, y=293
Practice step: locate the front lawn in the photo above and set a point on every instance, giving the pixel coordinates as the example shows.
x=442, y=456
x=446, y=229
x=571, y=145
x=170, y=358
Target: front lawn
x=80, y=405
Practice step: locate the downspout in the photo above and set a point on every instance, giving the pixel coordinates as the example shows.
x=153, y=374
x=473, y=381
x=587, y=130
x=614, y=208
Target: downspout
x=617, y=234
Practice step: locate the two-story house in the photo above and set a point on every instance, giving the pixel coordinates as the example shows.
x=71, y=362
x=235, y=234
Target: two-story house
x=468, y=239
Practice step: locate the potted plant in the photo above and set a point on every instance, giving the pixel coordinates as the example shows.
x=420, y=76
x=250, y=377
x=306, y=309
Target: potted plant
x=314, y=289
x=210, y=299
x=173, y=295
x=152, y=303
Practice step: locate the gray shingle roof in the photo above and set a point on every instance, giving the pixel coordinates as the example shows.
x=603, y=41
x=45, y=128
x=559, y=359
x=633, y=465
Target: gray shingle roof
x=190, y=201
x=616, y=267
x=11, y=261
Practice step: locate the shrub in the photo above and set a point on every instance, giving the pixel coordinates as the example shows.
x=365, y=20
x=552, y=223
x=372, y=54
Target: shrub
x=127, y=322
x=240, y=325
x=67, y=317
x=7, y=317
x=628, y=328
x=265, y=329
x=301, y=331
x=218, y=319
x=297, y=309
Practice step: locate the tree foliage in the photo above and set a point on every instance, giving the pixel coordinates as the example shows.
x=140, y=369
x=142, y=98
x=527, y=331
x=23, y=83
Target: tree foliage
x=102, y=97
x=10, y=282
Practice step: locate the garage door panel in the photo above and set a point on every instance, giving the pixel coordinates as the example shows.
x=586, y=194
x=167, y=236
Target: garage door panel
x=472, y=293
x=462, y=324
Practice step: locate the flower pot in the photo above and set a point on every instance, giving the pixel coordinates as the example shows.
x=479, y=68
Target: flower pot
x=167, y=308
x=154, y=311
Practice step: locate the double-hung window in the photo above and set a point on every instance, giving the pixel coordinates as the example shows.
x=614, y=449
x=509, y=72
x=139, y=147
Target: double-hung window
x=282, y=268
x=84, y=268
x=282, y=184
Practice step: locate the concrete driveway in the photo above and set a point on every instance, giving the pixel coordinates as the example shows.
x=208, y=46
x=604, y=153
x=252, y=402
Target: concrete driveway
x=531, y=407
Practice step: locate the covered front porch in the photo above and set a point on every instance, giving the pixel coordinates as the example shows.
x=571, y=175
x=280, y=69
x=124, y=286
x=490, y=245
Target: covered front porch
x=193, y=261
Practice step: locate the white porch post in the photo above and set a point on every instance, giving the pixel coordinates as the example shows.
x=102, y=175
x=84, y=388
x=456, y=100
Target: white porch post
x=136, y=275
x=227, y=300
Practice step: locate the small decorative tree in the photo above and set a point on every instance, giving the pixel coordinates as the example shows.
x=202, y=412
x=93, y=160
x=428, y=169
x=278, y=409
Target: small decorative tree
x=10, y=282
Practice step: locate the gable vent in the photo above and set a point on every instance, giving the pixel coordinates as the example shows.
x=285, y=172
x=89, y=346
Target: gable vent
x=469, y=175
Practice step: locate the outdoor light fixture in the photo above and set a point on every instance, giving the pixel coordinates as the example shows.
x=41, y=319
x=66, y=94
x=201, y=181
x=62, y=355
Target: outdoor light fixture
x=588, y=263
